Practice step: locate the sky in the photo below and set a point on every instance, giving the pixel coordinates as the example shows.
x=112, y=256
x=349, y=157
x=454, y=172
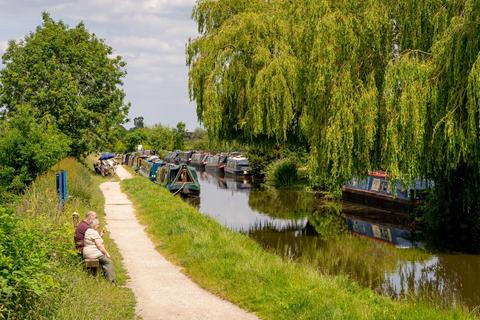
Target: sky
x=150, y=35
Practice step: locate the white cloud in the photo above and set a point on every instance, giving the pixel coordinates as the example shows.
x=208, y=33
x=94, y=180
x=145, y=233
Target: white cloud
x=3, y=45
x=149, y=34
x=146, y=43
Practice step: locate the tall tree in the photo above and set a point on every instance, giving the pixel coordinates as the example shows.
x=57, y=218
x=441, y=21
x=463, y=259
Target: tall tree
x=138, y=122
x=371, y=84
x=69, y=74
x=180, y=136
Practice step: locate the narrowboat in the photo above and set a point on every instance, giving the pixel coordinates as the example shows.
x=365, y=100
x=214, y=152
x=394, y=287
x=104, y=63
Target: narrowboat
x=135, y=161
x=150, y=167
x=125, y=158
x=375, y=191
x=199, y=159
x=237, y=166
x=131, y=159
x=185, y=156
x=179, y=179
x=171, y=156
x=216, y=162
x=205, y=160
x=138, y=162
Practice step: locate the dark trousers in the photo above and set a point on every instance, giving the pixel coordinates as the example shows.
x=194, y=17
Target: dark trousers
x=107, y=266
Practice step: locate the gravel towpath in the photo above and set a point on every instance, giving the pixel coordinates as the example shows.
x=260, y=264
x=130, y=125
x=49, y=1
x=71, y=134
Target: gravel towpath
x=161, y=290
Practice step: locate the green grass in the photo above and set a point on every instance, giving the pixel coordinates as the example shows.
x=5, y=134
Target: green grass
x=77, y=295
x=236, y=268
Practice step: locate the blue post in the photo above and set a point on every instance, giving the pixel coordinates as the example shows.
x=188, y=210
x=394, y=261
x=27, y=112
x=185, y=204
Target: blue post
x=64, y=181
x=60, y=190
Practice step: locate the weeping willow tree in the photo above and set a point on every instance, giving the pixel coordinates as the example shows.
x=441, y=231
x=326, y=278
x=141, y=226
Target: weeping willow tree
x=370, y=84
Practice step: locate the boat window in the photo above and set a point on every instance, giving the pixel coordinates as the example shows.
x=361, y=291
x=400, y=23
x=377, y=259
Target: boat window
x=385, y=186
x=243, y=162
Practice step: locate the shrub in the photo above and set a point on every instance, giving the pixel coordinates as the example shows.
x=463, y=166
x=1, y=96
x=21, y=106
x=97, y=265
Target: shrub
x=282, y=173
x=24, y=265
x=38, y=260
x=28, y=147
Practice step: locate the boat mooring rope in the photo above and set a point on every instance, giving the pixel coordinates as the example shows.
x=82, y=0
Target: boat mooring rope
x=181, y=188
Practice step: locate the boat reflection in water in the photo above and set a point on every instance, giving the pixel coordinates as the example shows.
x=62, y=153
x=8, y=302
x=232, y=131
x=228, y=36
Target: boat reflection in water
x=379, y=225
x=342, y=239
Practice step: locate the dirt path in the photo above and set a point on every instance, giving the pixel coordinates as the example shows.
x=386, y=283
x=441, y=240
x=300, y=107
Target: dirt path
x=161, y=290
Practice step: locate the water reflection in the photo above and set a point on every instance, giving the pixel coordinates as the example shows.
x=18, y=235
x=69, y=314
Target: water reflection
x=227, y=200
x=342, y=239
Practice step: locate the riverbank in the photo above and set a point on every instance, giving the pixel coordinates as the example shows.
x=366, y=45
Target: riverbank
x=161, y=290
x=72, y=293
x=236, y=268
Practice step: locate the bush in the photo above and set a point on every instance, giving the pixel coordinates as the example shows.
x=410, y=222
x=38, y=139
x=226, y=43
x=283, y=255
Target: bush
x=282, y=173
x=24, y=265
x=28, y=147
x=38, y=260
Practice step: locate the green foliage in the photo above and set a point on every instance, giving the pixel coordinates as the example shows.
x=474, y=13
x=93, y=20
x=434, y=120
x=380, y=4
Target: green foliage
x=260, y=158
x=368, y=84
x=198, y=141
x=135, y=138
x=282, y=173
x=39, y=252
x=28, y=147
x=69, y=75
x=179, y=132
x=328, y=220
x=157, y=137
x=24, y=263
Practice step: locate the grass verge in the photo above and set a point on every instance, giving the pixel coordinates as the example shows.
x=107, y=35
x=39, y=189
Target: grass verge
x=76, y=294
x=236, y=268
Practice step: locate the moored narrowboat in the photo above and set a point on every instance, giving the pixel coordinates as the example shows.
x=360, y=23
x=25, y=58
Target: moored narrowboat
x=185, y=156
x=179, y=179
x=150, y=167
x=212, y=162
x=216, y=162
x=376, y=191
x=238, y=166
x=198, y=159
x=171, y=156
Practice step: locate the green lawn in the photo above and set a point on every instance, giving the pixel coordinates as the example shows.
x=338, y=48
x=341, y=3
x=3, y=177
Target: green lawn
x=236, y=268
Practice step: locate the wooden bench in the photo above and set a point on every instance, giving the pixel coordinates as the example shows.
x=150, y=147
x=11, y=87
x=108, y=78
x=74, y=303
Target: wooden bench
x=92, y=266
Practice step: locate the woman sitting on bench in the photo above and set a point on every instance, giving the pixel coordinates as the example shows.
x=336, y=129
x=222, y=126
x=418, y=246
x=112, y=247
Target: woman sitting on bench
x=94, y=249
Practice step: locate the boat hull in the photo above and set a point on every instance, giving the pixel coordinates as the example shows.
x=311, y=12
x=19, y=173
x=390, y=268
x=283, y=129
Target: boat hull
x=377, y=200
x=187, y=190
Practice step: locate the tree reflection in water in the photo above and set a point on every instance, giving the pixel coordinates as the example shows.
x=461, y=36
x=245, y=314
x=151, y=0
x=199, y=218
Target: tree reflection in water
x=302, y=227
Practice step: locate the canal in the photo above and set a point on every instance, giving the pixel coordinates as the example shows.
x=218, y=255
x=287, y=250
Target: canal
x=375, y=248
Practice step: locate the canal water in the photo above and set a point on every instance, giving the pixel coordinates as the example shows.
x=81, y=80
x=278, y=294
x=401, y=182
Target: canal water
x=375, y=248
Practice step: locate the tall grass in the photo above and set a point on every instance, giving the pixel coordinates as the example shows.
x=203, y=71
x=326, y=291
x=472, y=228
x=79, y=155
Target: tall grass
x=237, y=268
x=75, y=294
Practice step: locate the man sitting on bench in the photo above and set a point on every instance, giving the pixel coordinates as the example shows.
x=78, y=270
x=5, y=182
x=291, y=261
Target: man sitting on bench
x=81, y=229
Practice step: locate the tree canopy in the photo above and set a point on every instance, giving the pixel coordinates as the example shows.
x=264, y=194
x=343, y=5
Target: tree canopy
x=70, y=75
x=27, y=148
x=369, y=84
